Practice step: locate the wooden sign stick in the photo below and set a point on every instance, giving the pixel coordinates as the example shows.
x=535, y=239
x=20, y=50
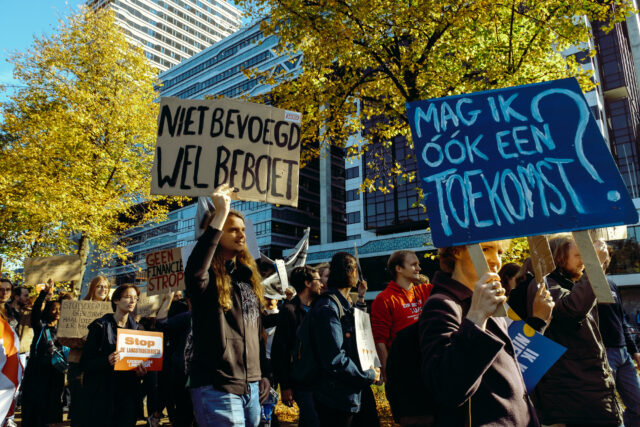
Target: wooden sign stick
x=541, y=257
x=481, y=266
x=593, y=268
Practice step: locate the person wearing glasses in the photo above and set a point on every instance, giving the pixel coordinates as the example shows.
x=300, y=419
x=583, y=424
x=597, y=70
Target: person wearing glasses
x=308, y=285
x=112, y=397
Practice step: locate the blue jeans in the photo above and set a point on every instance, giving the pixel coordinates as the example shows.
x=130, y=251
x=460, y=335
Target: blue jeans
x=308, y=415
x=213, y=408
x=627, y=383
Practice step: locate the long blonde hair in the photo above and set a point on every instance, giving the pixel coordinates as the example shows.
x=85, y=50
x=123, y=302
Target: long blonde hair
x=223, y=280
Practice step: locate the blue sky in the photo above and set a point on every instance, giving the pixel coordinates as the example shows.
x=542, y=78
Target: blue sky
x=20, y=20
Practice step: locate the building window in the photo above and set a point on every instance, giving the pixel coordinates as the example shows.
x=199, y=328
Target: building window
x=353, y=172
x=353, y=217
x=352, y=195
x=354, y=237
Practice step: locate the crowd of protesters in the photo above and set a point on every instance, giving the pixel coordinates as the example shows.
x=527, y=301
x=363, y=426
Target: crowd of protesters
x=230, y=350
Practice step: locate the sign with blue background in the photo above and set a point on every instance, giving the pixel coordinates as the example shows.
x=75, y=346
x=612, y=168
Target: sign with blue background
x=535, y=352
x=520, y=161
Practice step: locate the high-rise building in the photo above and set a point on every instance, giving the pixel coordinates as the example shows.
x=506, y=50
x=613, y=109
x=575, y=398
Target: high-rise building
x=218, y=71
x=171, y=31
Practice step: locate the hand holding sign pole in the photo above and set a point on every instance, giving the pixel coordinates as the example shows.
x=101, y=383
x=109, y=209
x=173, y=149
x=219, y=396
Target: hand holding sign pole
x=482, y=267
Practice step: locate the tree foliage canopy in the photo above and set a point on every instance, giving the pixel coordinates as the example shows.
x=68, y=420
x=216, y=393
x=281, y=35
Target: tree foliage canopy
x=385, y=53
x=76, y=141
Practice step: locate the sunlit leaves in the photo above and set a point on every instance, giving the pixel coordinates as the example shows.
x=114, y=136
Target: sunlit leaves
x=77, y=140
x=388, y=52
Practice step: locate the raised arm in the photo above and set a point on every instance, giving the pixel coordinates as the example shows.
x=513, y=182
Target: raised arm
x=196, y=272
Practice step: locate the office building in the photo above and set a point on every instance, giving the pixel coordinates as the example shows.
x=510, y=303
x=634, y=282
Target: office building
x=171, y=31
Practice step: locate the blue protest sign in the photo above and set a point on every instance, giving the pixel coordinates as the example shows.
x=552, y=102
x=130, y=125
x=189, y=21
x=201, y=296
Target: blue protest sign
x=512, y=162
x=535, y=352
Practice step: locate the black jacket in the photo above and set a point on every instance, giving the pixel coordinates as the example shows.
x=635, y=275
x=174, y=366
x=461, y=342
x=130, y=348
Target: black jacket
x=228, y=346
x=613, y=327
x=462, y=363
x=42, y=384
x=579, y=387
x=334, y=340
x=112, y=397
x=289, y=319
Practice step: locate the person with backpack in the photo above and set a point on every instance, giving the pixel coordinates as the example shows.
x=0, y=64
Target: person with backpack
x=468, y=361
x=341, y=380
x=308, y=285
x=43, y=380
x=228, y=371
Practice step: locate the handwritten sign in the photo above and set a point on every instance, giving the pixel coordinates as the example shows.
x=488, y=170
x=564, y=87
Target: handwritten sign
x=165, y=272
x=75, y=316
x=364, y=341
x=204, y=143
x=525, y=160
x=63, y=268
x=139, y=347
x=148, y=305
x=535, y=353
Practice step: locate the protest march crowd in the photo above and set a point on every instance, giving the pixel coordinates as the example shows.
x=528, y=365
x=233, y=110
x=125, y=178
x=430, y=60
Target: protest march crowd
x=230, y=352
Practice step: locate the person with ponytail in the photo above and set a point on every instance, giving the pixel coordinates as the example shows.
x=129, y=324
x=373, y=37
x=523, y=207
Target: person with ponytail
x=228, y=371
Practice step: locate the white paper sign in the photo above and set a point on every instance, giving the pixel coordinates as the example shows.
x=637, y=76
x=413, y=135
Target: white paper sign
x=251, y=239
x=364, y=341
x=281, y=269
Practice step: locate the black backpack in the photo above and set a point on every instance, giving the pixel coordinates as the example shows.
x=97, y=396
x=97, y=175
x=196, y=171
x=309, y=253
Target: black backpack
x=407, y=395
x=305, y=368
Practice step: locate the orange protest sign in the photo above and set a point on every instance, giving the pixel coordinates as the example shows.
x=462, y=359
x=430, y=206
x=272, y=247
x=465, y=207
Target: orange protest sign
x=139, y=347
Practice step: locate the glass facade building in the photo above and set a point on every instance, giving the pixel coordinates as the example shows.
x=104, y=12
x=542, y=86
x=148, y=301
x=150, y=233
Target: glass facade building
x=171, y=31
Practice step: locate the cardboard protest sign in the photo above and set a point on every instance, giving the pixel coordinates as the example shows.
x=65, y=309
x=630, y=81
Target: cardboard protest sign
x=535, y=352
x=205, y=143
x=139, y=347
x=75, y=316
x=592, y=266
x=364, y=341
x=609, y=233
x=165, y=271
x=62, y=268
x=148, y=305
x=524, y=160
x=541, y=257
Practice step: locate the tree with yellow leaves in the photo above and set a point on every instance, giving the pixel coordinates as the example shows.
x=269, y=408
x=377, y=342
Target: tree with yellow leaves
x=363, y=60
x=76, y=142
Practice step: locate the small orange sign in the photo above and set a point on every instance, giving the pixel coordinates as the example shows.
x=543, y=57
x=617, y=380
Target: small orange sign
x=139, y=347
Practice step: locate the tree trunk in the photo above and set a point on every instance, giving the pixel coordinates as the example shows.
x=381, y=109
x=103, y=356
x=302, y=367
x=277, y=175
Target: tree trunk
x=83, y=252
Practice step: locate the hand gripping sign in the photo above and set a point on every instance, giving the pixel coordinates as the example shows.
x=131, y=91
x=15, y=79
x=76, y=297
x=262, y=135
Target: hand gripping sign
x=520, y=161
x=204, y=143
x=139, y=347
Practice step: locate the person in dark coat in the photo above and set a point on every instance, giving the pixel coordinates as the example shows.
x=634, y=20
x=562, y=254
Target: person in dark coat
x=468, y=361
x=42, y=384
x=308, y=286
x=228, y=371
x=579, y=388
x=111, y=397
x=343, y=384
